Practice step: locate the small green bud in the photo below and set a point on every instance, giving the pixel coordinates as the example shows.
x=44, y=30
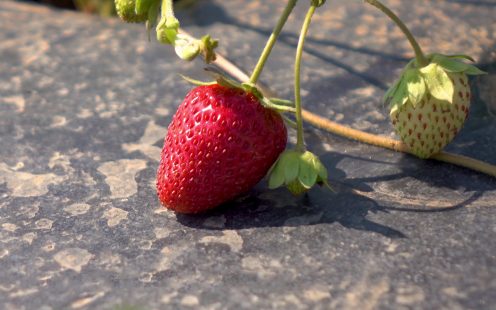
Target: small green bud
x=126, y=11
x=208, y=46
x=165, y=34
x=186, y=47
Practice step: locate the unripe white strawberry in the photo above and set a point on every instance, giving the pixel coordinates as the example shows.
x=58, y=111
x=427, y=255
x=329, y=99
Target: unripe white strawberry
x=429, y=105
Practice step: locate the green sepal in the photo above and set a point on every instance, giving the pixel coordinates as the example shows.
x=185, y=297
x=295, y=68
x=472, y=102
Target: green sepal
x=289, y=122
x=284, y=102
x=461, y=56
x=299, y=171
x=290, y=165
x=196, y=82
x=269, y=104
x=415, y=86
x=152, y=18
x=453, y=64
x=438, y=83
x=307, y=174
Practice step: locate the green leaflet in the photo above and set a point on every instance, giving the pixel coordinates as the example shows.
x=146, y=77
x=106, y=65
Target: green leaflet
x=438, y=82
x=415, y=86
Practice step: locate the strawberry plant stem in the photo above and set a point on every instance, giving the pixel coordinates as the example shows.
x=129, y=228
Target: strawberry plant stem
x=167, y=9
x=419, y=55
x=272, y=40
x=361, y=136
x=300, y=143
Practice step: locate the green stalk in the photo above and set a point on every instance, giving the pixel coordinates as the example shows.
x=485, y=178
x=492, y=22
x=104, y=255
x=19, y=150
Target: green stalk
x=419, y=55
x=168, y=9
x=300, y=142
x=272, y=40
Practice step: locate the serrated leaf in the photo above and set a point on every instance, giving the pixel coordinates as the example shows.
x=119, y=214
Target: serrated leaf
x=450, y=64
x=276, y=177
x=438, y=82
x=307, y=174
x=291, y=165
x=415, y=86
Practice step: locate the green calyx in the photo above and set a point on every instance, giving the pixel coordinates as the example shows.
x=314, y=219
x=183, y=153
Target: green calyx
x=298, y=170
x=433, y=79
x=277, y=104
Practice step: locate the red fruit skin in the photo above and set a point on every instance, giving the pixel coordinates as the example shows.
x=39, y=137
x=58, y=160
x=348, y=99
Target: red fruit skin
x=221, y=142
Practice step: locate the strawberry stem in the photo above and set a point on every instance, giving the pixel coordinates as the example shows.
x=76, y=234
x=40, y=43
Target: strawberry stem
x=271, y=42
x=419, y=55
x=300, y=142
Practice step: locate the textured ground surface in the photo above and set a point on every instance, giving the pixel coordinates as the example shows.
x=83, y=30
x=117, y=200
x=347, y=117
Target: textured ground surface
x=84, y=106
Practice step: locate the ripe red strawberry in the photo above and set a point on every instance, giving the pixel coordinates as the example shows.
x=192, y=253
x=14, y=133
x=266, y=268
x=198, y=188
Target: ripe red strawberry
x=220, y=143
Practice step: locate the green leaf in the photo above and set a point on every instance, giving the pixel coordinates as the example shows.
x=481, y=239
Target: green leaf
x=415, y=86
x=276, y=177
x=438, y=82
x=291, y=165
